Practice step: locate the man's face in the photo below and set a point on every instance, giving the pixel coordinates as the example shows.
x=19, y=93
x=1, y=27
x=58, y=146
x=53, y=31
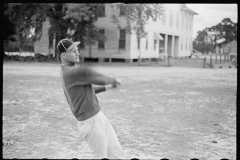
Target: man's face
x=72, y=55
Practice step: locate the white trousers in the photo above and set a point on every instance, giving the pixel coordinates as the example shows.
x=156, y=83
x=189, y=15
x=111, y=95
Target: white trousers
x=101, y=137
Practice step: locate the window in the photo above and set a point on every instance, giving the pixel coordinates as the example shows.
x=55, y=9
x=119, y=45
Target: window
x=122, y=39
x=177, y=20
x=186, y=44
x=190, y=44
x=122, y=10
x=186, y=21
x=182, y=44
x=164, y=17
x=101, y=11
x=182, y=20
x=190, y=23
x=101, y=44
x=171, y=19
x=155, y=41
x=146, y=41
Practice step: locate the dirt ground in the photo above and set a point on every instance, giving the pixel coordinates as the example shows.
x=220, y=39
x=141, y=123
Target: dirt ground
x=159, y=112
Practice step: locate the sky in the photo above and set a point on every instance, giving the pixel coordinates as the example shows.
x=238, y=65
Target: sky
x=211, y=14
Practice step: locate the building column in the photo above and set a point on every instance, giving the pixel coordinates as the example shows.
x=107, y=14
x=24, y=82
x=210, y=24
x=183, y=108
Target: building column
x=173, y=39
x=165, y=46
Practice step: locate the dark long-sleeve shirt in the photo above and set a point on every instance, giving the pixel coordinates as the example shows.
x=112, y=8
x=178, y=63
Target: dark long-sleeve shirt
x=77, y=86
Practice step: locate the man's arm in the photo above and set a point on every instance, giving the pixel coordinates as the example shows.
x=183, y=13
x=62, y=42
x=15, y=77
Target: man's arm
x=105, y=88
x=99, y=89
x=90, y=76
x=103, y=80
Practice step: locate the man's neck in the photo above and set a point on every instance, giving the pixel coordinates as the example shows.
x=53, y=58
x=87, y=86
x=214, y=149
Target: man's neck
x=67, y=63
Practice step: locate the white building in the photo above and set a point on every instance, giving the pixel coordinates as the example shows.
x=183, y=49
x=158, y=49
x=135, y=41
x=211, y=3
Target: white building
x=170, y=35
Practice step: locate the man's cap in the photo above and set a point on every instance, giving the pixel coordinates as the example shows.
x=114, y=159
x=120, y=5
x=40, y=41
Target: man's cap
x=65, y=45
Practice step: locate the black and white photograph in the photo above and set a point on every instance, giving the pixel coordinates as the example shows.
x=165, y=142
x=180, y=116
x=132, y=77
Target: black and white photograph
x=120, y=81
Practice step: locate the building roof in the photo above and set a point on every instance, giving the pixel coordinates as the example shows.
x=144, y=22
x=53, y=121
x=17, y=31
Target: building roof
x=157, y=36
x=185, y=7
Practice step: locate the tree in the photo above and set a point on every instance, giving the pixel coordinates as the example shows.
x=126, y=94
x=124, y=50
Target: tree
x=83, y=17
x=58, y=26
x=223, y=32
x=28, y=19
x=8, y=29
x=210, y=37
x=228, y=29
x=200, y=42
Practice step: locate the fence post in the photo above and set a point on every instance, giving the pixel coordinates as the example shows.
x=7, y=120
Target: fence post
x=210, y=58
x=204, y=62
x=110, y=58
x=169, y=63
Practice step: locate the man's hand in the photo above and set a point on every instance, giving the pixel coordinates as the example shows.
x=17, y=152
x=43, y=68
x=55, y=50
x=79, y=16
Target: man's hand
x=117, y=81
x=115, y=85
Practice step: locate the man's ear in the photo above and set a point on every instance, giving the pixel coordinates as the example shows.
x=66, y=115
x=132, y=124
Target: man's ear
x=63, y=55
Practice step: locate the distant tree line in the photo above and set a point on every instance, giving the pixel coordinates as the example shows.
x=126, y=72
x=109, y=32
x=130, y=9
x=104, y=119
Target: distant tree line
x=23, y=22
x=209, y=38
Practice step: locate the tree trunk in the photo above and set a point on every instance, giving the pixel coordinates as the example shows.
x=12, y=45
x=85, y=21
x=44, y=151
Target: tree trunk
x=204, y=62
x=57, y=56
x=139, y=58
x=82, y=58
x=210, y=58
x=90, y=50
x=54, y=45
x=20, y=49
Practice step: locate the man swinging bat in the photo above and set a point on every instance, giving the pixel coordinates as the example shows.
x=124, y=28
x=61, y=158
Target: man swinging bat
x=77, y=81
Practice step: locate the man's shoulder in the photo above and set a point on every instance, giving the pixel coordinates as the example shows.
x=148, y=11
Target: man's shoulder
x=67, y=70
x=73, y=70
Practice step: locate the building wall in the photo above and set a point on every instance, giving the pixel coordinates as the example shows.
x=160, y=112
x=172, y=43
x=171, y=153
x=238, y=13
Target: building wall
x=230, y=47
x=179, y=32
x=144, y=52
x=112, y=33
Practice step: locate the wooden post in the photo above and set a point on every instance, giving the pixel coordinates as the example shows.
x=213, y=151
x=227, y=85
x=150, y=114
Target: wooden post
x=169, y=63
x=211, y=58
x=54, y=43
x=110, y=58
x=204, y=62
